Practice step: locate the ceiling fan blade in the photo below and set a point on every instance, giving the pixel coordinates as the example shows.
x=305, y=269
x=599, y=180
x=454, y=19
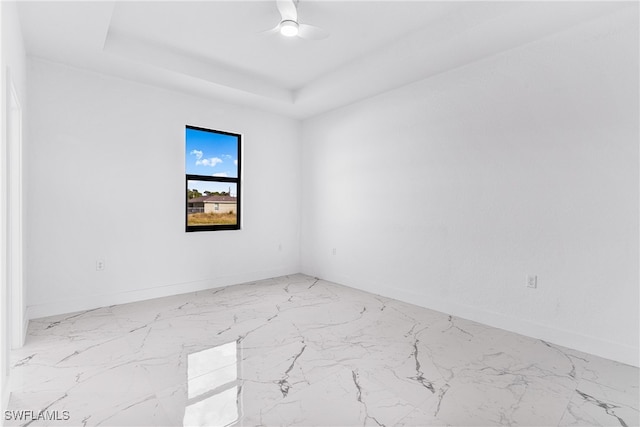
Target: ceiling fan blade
x=288, y=10
x=311, y=32
x=273, y=30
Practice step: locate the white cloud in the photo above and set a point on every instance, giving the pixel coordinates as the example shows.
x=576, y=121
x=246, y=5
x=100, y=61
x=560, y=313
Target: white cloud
x=235, y=162
x=197, y=153
x=213, y=161
x=221, y=174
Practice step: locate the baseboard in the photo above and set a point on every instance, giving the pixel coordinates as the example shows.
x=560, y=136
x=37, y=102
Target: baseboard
x=71, y=305
x=25, y=326
x=608, y=350
x=598, y=347
x=23, y=332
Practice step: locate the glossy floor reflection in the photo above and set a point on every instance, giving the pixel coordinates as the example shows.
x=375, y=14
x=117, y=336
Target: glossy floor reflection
x=297, y=351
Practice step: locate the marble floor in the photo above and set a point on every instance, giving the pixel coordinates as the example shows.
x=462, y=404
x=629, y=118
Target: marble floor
x=298, y=351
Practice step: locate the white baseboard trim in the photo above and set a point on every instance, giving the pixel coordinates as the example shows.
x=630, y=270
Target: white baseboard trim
x=592, y=345
x=23, y=332
x=25, y=326
x=608, y=350
x=71, y=305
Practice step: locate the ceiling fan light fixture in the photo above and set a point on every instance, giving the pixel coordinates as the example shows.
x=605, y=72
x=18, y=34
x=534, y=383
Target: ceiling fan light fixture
x=289, y=28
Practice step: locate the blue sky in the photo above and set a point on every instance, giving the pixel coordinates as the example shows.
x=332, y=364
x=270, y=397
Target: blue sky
x=211, y=154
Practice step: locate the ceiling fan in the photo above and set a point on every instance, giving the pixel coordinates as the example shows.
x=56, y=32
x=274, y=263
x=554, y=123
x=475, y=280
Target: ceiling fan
x=289, y=25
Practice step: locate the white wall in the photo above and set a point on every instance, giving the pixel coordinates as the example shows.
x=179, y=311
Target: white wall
x=447, y=193
x=13, y=65
x=106, y=181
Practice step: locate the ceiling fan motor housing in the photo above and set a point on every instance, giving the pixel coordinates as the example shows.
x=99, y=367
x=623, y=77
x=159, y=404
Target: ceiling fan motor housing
x=289, y=28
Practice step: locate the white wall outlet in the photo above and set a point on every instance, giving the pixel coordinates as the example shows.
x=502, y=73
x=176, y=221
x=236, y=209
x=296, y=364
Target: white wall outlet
x=100, y=265
x=280, y=247
x=334, y=251
x=532, y=281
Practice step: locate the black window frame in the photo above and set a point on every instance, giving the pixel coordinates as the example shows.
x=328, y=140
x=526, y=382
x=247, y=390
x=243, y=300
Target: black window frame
x=236, y=180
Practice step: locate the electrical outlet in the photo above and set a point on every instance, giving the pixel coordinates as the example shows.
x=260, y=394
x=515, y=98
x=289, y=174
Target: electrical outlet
x=99, y=265
x=532, y=281
x=334, y=251
x=280, y=247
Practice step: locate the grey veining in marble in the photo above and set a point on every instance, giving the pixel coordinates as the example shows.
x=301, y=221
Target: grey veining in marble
x=298, y=351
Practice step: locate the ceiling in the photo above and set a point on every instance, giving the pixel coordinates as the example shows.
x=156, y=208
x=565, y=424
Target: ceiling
x=216, y=48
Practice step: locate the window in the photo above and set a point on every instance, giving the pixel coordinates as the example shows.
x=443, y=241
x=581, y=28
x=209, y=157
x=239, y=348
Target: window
x=212, y=180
